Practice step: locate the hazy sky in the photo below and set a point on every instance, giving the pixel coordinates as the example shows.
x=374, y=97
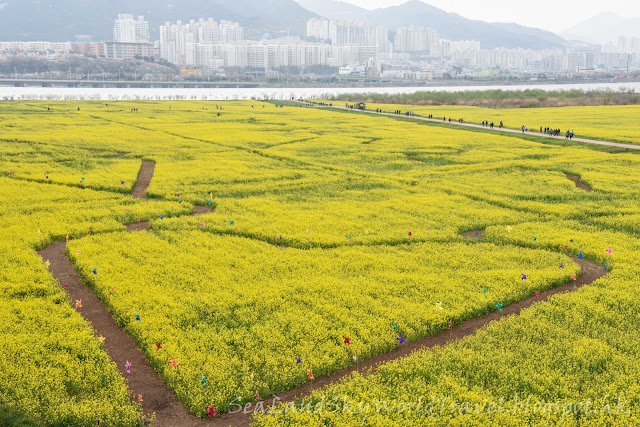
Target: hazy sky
x=554, y=15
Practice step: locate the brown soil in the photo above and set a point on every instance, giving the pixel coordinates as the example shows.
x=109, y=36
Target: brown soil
x=144, y=179
x=578, y=181
x=474, y=234
x=144, y=226
x=201, y=210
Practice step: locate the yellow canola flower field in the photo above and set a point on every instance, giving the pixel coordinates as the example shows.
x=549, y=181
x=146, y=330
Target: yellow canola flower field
x=359, y=185
x=241, y=312
x=55, y=370
x=571, y=361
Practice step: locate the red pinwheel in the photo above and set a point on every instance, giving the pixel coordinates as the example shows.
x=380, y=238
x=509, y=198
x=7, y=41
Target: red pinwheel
x=158, y=346
x=347, y=340
x=211, y=411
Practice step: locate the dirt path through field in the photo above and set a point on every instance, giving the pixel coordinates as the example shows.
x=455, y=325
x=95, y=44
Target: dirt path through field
x=144, y=179
x=578, y=181
x=158, y=398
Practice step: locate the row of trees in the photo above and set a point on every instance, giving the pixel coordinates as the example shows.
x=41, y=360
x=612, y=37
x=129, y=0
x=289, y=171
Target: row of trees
x=80, y=67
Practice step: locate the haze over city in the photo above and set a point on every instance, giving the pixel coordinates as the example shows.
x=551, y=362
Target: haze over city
x=547, y=14
x=318, y=42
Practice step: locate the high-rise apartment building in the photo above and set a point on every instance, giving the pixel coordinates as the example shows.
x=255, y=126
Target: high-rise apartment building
x=415, y=39
x=176, y=40
x=126, y=29
x=318, y=28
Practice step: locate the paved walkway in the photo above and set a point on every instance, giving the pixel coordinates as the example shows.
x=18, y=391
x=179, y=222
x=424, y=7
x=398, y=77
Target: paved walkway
x=495, y=129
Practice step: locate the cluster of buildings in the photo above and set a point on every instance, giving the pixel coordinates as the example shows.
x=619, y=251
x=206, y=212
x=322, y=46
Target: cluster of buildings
x=352, y=48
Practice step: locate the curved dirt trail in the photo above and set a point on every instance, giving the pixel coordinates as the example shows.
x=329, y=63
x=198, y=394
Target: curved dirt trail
x=158, y=398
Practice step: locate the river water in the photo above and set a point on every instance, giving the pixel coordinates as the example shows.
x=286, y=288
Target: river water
x=108, y=94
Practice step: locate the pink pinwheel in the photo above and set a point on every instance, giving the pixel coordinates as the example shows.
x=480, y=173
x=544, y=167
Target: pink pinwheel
x=127, y=367
x=610, y=251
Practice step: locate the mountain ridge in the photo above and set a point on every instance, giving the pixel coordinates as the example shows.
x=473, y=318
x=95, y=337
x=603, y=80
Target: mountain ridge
x=450, y=25
x=604, y=28
x=64, y=20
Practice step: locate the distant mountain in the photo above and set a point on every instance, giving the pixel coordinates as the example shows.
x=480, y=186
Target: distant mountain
x=604, y=28
x=64, y=20
x=332, y=9
x=450, y=25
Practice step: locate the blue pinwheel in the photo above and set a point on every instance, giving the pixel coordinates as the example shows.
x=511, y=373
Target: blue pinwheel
x=95, y=271
x=299, y=361
x=580, y=255
x=401, y=339
x=137, y=317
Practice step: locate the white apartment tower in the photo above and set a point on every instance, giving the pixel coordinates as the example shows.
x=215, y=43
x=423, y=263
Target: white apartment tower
x=318, y=28
x=415, y=39
x=128, y=30
x=183, y=44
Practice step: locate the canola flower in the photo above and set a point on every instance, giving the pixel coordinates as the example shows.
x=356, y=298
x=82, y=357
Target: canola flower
x=309, y=203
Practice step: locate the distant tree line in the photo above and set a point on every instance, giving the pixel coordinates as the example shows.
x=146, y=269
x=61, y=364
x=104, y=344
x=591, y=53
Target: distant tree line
x=78, y=66
x=531, y=98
